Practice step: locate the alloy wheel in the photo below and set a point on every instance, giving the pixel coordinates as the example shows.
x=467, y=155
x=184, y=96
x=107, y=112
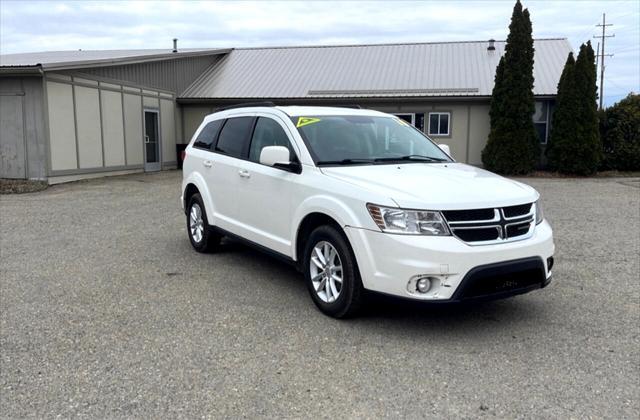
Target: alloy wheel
x=326, y=271
x=196, y=224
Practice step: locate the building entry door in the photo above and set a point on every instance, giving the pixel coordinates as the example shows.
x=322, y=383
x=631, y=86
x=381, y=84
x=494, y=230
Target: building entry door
x=151, y=141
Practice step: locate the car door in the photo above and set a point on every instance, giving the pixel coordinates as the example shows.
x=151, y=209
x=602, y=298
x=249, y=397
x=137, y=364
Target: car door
x=223, y=174
x=265, y=193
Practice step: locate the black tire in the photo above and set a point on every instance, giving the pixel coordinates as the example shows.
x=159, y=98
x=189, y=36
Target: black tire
x=351, y=293
x=209, y=240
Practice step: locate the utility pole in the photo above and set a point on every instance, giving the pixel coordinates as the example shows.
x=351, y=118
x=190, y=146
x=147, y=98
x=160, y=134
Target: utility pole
x=602, y=37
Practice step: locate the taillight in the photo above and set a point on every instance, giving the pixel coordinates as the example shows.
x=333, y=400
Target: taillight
x=183, y=155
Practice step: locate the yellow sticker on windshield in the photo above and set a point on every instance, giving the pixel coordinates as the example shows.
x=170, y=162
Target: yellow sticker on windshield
x=302, y=121
x=401, y=121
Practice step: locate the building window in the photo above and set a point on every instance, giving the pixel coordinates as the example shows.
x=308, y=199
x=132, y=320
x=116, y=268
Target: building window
x=541, y=121
x=415, y=119
x=410, y=118
x=439, y=123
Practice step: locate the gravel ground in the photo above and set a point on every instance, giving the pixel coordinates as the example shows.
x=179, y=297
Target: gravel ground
x=106, y=312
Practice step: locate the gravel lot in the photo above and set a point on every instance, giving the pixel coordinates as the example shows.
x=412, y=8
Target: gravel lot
x=107, y=312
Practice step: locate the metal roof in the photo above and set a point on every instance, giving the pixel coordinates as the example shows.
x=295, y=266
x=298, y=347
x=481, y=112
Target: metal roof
x=369, y=71
x=62, y=60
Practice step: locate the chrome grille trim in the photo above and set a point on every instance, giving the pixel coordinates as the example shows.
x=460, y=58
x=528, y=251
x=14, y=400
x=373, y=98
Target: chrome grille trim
x=500, y=222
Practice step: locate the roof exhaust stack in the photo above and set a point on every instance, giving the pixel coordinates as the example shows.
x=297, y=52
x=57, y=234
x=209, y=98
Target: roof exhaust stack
x=491, y=46
x=175, y=45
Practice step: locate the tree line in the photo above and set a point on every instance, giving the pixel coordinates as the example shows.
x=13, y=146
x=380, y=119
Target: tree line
x=582, y=139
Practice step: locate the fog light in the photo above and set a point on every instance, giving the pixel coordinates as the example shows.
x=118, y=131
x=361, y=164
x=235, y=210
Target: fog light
x=423, y=285
x=549, y=263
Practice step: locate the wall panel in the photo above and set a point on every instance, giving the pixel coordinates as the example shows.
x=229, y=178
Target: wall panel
x=89, y=130
x=479, y=128
x=113, y=128
x=150, y=102
x=168, y=130
x=12, y=139
x=133, y=128
x=192, y=117
x=174, y=75
x=35, y=129
x=62, y=136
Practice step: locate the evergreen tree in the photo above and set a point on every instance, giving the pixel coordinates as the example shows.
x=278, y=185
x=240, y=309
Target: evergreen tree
x=564, y=121
x=575, y=146
x=590, y=150
x=512, y=147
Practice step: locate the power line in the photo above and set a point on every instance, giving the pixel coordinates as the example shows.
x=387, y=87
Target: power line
x=602, y=55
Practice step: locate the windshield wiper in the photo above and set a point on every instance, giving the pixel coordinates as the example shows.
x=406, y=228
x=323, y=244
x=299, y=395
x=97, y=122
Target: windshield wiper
x=344, y=161
x=411, y=157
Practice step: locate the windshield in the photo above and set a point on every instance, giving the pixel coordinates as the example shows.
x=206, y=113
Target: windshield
x=348, y=139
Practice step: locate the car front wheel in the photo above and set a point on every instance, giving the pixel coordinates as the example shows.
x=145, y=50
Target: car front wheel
x=202, y=238
x=331, y=273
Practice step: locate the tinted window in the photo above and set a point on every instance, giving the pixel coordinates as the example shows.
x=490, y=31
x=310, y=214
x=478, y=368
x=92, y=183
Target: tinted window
x=208, y=135
x=363, y=139
x=234, y=136
x=267, y=133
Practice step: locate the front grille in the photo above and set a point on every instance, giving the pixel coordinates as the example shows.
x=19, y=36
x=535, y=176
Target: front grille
x=515, y=211
x=518, y=229
x=468, y=215
x=477, y=235
x=492, y=225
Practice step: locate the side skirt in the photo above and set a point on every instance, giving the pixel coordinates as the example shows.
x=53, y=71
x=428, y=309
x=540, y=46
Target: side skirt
x=268, y=251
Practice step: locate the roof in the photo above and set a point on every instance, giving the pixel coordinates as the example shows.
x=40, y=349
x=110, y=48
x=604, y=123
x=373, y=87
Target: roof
x=370, y=71
x=59, y=60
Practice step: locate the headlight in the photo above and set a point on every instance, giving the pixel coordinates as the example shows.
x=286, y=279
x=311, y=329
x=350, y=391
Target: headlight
x=539, y=214
x=408, y=222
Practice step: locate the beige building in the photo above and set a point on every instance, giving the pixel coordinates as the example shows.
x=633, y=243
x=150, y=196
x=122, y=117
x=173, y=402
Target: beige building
x=79, y=114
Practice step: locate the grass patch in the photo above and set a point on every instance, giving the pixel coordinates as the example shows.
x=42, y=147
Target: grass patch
x=20, y=186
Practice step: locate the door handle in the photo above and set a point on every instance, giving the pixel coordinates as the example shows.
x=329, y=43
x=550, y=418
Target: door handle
x=207, y=163
x=244, y=173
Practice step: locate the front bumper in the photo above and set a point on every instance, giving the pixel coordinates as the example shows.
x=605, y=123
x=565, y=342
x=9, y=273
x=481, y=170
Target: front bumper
x=391, y=263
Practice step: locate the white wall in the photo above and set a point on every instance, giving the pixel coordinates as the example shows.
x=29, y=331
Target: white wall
x=113, y=128
x=62, y=132
x=133, y=128
x=98, y=126
x=89, y=129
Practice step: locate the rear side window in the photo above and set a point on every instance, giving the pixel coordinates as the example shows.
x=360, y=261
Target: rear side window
x=268, y=133
x=234, y=136
x=208, y=135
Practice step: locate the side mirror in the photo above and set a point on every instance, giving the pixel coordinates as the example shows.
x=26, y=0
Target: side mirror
x=271, y=155
x=279, y=157
x=445, y=148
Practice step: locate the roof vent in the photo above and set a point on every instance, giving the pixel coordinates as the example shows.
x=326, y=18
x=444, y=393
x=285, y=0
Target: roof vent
x=175, y=45
x=491, y=46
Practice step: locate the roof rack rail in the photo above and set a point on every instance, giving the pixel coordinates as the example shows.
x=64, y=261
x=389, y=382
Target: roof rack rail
x=247, y=105
x=353, y=106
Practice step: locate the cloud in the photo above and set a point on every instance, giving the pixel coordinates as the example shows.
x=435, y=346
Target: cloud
x=66, y=25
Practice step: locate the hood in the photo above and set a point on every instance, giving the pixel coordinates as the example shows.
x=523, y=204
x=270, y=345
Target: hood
x=436, y=186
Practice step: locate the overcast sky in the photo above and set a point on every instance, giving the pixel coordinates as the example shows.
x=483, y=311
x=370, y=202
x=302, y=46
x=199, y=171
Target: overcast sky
x=65, y=25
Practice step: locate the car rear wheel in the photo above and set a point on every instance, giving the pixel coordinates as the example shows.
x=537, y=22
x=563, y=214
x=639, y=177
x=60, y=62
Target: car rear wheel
x=202, y=238
x=331, y=273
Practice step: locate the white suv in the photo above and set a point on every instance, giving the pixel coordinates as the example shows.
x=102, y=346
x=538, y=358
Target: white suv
x=360, y=200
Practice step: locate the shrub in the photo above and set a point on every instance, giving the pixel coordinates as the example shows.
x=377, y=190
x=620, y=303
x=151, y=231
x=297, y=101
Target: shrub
x=620, y=128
